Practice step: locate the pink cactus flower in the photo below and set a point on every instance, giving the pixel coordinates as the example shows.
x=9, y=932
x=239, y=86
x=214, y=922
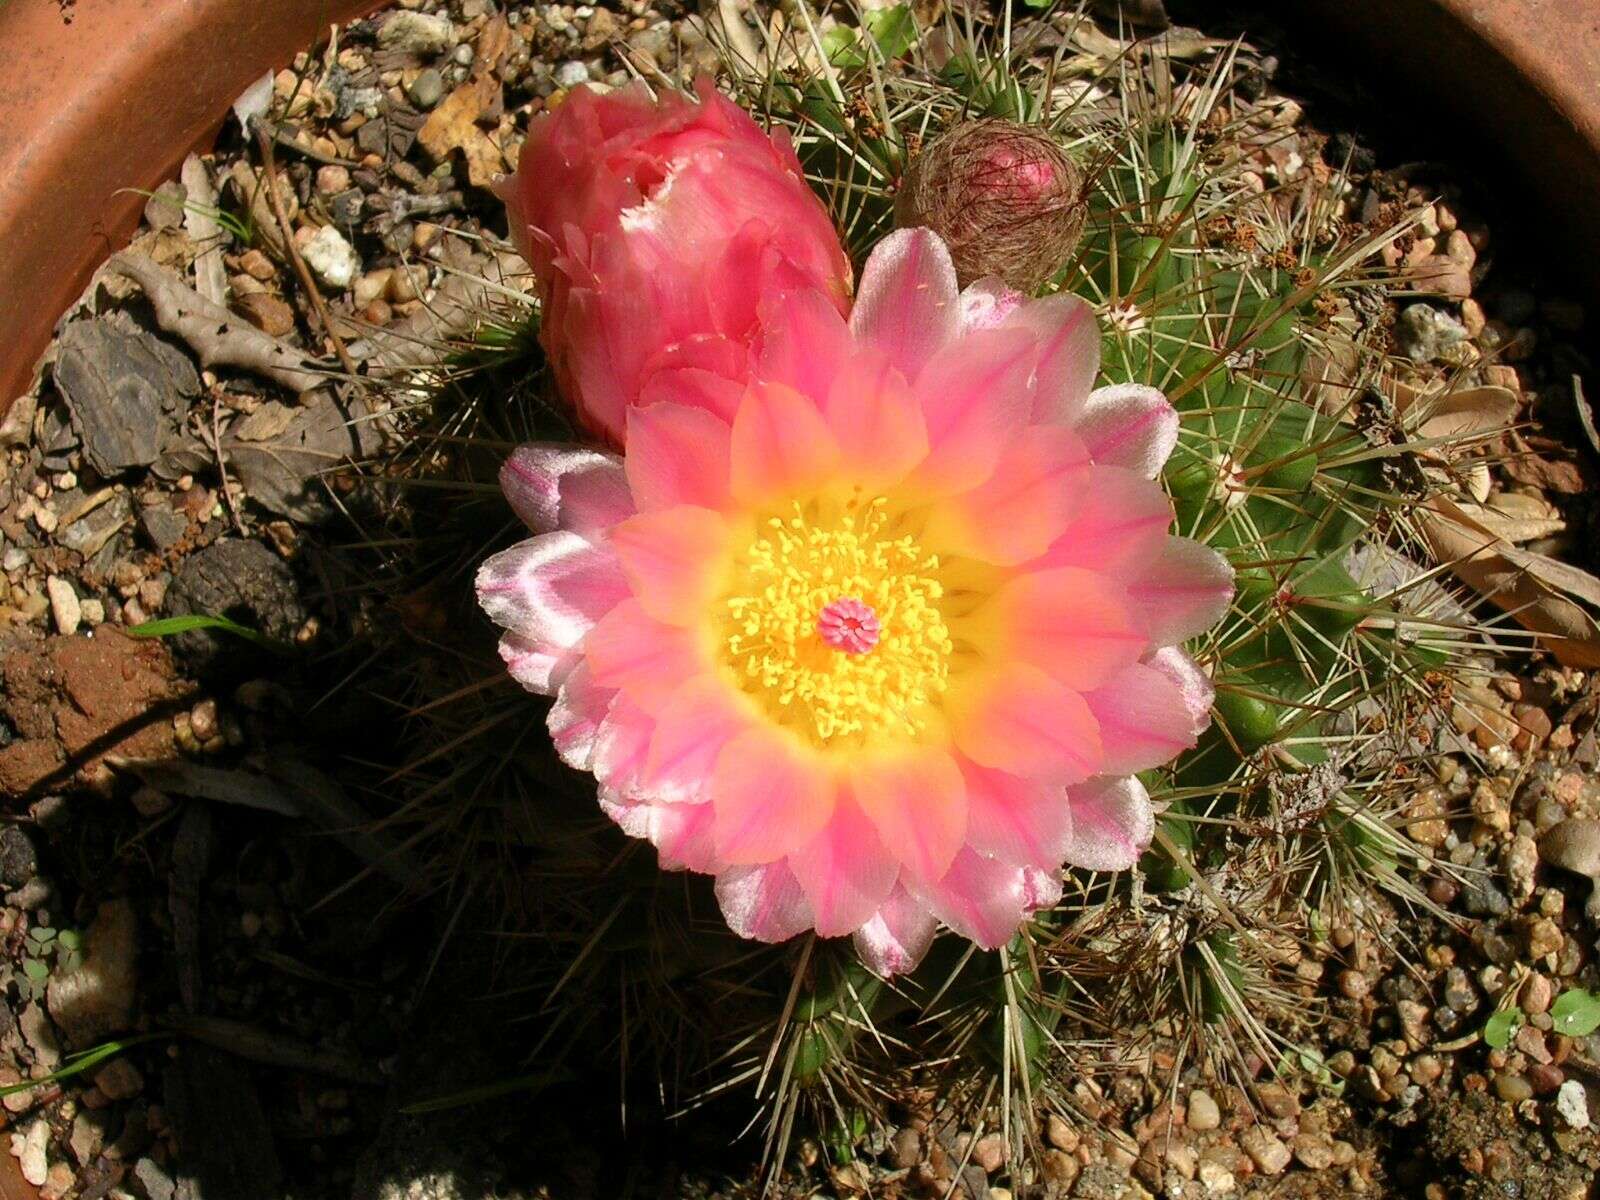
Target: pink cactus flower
x=655, y=228
x=886, y=649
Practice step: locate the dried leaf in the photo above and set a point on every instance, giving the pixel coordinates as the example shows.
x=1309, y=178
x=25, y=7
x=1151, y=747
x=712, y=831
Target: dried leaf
x=1516, y=517
x=1585, y=412
x=216, y=335
x=1539, y=591
x=210, y=278
x=454, y=126
x=1466, y=416
x=267, y=422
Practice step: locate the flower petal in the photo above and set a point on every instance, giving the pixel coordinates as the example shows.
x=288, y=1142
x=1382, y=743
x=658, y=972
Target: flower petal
x=574, y=719
x=975, y=395
x=986, y=303
x=1016, y=820
x=898, y=935
x=877, y=424
x=565, y=487
x=1041, y=889
x=551, y=589
x=702, y=717
x=845, y=871
x=764, y=903
x=621, y=744
x=1020, y=720
x=1183, y=593
x=981, y=899
x=629, y=650
x=681, y=833
x=771, y=798
x=1069, y=354
x=673, y=559
x=534, y=664
x=1112, y=823
x=1129, y=425
x=1074, y=624
x=803, y=342
x=907, y=303
x=1024, y=506
x=1193, y=684
x=1144, y=721
x=677, y=455
x=1121, y=523
x=689, y=387
x=780, y=444
x=918, y=801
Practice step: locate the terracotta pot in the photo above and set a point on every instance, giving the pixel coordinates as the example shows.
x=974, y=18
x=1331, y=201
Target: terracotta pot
x=1518, y=79
x=106, y=95
x=118, y=94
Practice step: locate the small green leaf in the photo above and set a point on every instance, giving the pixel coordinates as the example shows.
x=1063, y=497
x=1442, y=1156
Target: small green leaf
x=41, y=933
x=168, y=626
x=35, y=970
x=839, y=44
x=894, y=29
x=70, y=939
x=1576, y=1013
x=1502, y=1027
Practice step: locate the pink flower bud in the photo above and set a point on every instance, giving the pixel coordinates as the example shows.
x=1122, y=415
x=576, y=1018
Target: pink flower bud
x=655, y=228
x=1005, y=198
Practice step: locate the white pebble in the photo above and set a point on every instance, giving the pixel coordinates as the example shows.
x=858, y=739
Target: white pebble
x=1216, y=1178
x=417, y=33
x=34, y=1160
x=333, y=259
x=1573, y=1104
x=64, y=604
x=94, y=612
x=15, y=558
x=571, y=74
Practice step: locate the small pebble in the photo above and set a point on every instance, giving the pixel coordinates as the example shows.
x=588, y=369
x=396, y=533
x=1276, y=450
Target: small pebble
x=332, y=257
x=1063, y=1136
x=990, y=1152
x=1513, y=1089
x=333, y=179
x=571, y=74
x=64, y=605
x=1269, y=1154
x=1354, y=984
x=423, y=34
x=1313, y=1151
x=1216, y=1178
x=1203, y=1112
x=426, y=89
x=1572, y=1104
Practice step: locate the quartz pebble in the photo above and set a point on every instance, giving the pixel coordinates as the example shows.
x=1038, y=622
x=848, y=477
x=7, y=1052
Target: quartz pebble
x=1203, y=1112
x=1572, y=1104
x=423, y=34
x=64, y=605
x=331, y=257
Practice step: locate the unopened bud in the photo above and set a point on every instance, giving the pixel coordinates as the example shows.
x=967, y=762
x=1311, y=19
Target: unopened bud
x=1006, y=199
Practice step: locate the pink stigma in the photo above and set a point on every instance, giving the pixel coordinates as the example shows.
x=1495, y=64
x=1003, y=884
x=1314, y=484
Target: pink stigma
x=849, y=625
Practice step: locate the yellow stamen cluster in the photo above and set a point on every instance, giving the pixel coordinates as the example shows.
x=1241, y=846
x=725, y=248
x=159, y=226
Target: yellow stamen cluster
x=795, y=567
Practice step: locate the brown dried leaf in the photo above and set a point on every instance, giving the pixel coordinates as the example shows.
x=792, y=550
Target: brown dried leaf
x=216, y=335
x=1539, y=591
x=454, y=126
x=1463, y=416
x=1532, y=463
x=1516, y=517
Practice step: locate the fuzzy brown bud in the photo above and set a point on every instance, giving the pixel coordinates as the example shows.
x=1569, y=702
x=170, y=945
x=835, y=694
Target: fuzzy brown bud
x=1005, y=198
